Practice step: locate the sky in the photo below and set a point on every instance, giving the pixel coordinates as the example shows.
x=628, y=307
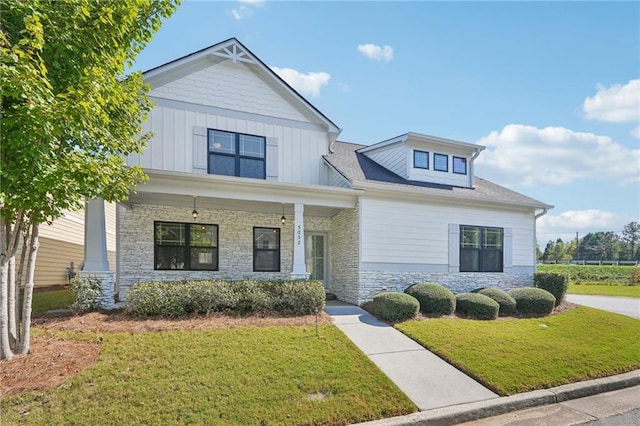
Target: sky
x=551, y=89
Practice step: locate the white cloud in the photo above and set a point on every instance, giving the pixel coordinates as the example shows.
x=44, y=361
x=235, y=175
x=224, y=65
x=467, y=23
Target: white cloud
x=246, y=8
x=307, y=84
x=526, y=155
x=636, y=132
x=375, y=52
x=617, y=104
x=566, y=224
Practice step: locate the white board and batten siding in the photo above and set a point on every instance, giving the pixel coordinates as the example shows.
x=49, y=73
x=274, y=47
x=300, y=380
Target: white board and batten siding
x=231, y=98
x=399, y=232
x=436, y=176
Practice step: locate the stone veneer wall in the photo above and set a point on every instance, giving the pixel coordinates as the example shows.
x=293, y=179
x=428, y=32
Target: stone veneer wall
x=345, y=255
x=374, y=282
x=235, y=242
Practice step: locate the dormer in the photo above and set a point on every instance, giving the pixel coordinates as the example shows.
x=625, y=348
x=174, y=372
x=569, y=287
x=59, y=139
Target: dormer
x=425, y=158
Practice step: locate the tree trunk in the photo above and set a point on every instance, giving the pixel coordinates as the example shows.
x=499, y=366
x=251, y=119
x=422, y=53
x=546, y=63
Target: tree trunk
x=13, y=315
x=26, y=236
x=23, y=347
x=5, y=347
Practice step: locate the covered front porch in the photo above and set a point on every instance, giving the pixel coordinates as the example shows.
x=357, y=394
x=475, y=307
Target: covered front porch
x=179, y=226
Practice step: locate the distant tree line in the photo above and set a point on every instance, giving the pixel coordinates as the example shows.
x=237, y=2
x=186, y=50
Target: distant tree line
x=597, y=246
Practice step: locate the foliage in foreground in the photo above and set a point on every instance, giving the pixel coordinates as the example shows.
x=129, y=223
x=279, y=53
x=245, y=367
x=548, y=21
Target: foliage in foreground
x=86, y=292
x=513, y=356
x=434, y=298
x=180, y=298
x=242, y=376
x=555, y=284
x=533, y=301
x=394, y=306
x=477, y=306
x=506, y=302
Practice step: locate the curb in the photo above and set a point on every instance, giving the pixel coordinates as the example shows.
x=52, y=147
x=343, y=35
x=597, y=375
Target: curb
x=493, y=407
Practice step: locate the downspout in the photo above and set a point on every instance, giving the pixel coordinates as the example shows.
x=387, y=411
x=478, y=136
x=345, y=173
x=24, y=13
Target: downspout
x=535, y=234
x=471, y=168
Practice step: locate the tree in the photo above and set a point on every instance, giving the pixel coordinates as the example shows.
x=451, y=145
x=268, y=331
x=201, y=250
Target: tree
x=70, y=117
x=600, y=246
x=631, y=236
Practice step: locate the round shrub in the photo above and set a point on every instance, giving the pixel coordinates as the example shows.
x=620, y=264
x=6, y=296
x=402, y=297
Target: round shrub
x=433, y=298
x=533, y=301
x=394, y=306
x=555, y=284
x=298, y=297
x=157, y=298
x=476, y=305
x=506, y=302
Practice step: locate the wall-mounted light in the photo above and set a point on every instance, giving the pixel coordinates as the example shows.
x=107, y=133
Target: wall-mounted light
x=194, y=213
x=282, y=218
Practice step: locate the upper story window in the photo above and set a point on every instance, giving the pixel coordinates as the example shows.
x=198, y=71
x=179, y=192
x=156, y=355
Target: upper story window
x=441, y=162
x=420, y=159
x=236, y=154
x=481, y=249
x=185, y=246
x=460, y=165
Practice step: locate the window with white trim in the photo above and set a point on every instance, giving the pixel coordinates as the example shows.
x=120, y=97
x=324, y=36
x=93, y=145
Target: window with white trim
x=481, y=249
x=236, y=154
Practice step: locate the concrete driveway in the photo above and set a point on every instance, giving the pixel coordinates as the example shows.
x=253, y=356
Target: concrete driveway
x=628, y=306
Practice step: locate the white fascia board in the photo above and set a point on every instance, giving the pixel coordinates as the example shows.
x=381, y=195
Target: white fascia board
x=216, y=186
x=411, y=195
x=385, y=143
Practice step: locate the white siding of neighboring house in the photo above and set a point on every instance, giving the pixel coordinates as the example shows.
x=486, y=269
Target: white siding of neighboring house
x=417, y=234
x=393, y=157
x=230, y=86
x=435, y=176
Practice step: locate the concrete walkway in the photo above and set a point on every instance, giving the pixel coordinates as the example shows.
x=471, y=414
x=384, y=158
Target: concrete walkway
x=426, y=379
x=628, y=306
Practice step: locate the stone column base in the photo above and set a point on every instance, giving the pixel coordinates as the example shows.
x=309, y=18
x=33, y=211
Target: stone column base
x=299, y=276
x=106, y=298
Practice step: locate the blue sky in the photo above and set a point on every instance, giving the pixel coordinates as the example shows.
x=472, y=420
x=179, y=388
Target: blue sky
x=552, y=89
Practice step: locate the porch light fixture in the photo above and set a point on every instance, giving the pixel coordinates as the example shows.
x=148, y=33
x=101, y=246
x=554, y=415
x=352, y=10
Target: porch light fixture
x=282, y=218
x=194, y=213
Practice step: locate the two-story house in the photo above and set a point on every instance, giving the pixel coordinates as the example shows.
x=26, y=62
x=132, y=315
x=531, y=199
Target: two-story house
x=247, y=180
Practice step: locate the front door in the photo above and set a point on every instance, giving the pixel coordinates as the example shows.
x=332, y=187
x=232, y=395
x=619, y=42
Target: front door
x=316, y=257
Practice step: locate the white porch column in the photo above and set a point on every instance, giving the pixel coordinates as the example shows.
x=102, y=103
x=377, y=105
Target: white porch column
x=299, y=271
x=96, y=262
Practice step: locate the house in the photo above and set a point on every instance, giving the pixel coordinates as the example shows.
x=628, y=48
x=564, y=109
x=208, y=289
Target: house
x=247, y=179
x=61, y=249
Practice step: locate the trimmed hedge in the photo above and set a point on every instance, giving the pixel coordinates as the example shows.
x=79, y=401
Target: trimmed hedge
x=506, y=302
x=555, y=284
x=433, y=298
x=477, y=306
x=533, y=301
x=180, y=298
x=394, y=306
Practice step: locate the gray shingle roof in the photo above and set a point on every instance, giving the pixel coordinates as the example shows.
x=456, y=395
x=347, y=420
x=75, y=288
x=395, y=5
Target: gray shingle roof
x=359, y=169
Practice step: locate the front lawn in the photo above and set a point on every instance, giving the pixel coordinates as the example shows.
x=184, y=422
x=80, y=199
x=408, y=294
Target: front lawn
x=249, y=375
x=512, y=356
x=605, y=290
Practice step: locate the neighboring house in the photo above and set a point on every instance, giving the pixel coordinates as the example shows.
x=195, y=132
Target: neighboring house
x=277, y=197
x=61, y=245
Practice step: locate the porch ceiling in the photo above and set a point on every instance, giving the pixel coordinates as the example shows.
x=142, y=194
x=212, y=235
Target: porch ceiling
x=209, y=203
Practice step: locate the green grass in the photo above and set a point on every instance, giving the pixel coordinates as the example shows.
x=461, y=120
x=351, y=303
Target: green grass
x=514, y=356
x=579, y=274
x=240, y=376
x=48, y=300
x=599, y=289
